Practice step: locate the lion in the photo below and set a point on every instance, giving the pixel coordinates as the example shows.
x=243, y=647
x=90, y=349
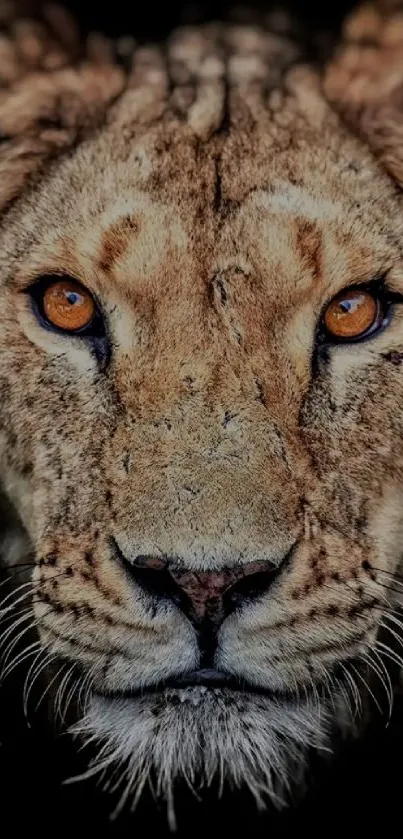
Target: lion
x=201, y=378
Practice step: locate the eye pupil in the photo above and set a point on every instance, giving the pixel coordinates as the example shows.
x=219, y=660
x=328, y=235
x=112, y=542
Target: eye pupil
x=72, y=297
x=347, y=305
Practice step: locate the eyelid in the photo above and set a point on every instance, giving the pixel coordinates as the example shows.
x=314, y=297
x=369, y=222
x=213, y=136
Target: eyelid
x=27, y=280
x=43, y=280
x=37, y=288
x=378, y=285
x=41, y=283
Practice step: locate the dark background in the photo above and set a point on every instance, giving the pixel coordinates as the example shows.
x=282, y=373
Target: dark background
x=358, y=792
x=154, y=19
x=362, y=789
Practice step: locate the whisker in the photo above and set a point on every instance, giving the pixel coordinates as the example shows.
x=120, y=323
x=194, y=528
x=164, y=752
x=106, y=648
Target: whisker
x=7, y=580
x=385, y=682
x=26, y=615
x=397, y=622
x=26, y=690
x=19, y=659
x=396, y=577
x=69, y=698
x=24, y=586
x=384, y=670
x=390, y=654
x=10, y=567
x=388, y=587
x=47, y=658
x=12, y=615
x=392, y=631
x=14, y=642
x=50, y=683
x=12, y=571
x=331, y=683
x=86, y=687
x=354, y=691
x=379, y=608
x=33, y=587
x=59, y=695
x=367, y=687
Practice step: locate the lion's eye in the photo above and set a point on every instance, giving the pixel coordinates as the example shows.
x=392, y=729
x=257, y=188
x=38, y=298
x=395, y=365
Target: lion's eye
x=68, y=306
x=354, y=314
x=64, y=304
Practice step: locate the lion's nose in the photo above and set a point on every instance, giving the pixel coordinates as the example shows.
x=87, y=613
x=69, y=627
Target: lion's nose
x=212, y=595
x=205, y=597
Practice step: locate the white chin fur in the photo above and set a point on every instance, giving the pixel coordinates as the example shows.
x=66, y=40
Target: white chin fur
x=200, y=735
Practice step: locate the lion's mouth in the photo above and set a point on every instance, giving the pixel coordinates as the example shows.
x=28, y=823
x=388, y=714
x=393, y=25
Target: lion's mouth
x=207, y=679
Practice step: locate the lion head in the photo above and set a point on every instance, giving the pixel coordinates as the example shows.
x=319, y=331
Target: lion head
x=201, y=382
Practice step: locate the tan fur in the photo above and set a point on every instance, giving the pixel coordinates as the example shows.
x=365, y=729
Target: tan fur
x=214, y=213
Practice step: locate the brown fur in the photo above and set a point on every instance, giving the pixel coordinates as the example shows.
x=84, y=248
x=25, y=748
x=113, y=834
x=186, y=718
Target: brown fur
x=214, y=202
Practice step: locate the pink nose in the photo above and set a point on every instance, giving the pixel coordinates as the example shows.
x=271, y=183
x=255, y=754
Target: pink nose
x=212, y=595
x=206, y=597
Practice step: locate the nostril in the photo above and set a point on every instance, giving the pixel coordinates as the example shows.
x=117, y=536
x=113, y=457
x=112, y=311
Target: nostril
x=153, y=576
x=160, y=584
x=157, y=582
x=150, y=563
x=250, y=587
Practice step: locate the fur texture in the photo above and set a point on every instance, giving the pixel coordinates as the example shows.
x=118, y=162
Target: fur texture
x=214, y=201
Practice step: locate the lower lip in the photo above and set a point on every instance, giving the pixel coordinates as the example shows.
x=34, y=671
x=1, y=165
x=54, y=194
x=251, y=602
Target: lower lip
x=210, y=680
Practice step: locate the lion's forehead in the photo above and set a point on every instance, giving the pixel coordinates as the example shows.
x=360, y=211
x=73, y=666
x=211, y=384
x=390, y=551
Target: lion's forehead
x=129, y=216
x=212, y=177
x=269, y=189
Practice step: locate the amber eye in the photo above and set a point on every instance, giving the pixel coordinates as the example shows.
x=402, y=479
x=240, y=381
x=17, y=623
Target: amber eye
x=67, y=305
x=353, y=314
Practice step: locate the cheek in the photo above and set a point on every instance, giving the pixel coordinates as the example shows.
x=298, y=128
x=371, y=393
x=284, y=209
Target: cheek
x=80, y=577
x=354, y=425
x=17, y=450
x=355, y=446
x=57, y=449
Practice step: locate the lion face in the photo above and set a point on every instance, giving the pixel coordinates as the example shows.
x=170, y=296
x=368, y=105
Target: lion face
x=211, y=483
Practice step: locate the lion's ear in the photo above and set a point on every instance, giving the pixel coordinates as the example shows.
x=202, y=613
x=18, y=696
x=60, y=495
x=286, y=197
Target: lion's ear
x=364, y=80
x=53, y=89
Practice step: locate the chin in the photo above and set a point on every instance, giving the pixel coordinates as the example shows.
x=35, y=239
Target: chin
x=205, y=736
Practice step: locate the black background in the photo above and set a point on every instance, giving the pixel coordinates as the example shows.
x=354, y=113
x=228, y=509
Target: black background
x=154, y=19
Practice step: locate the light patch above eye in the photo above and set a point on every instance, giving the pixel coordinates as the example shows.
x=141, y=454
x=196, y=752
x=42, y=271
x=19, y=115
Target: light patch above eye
x=352, y=314
x=68, y=306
